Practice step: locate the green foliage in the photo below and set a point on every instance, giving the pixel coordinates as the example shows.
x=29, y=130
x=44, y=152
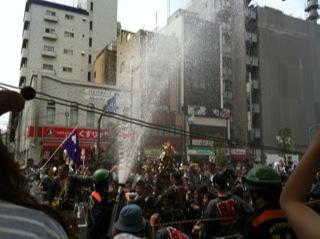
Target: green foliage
x=284, y=141
x=220, y=153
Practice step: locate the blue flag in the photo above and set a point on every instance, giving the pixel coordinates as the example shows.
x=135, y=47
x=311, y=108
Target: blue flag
x=73, y=148
x=111, y=104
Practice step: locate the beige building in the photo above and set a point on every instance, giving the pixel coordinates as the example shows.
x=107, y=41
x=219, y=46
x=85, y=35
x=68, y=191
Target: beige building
x=59, y=46
x=105, y=66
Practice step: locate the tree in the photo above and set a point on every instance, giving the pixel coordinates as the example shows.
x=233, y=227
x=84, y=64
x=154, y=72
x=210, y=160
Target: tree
x=220, y=153
x=284, y=141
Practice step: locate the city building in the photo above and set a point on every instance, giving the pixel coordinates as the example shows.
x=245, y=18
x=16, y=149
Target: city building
x=273, y=85
x=285, y=85
x=105, y=66
x=205, y=80
x=59, y=46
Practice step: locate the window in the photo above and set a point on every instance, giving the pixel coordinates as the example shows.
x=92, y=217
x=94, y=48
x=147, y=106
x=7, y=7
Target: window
x=51, y=112
x=50, y=13
x=50, y=30
x=48, y=48
x=47, y=67
x=90, y=116
x=94, y=75
x=89, y=59
x=69, y=17
x=74, y=115
x=69, y=34
x=90, y=42
x=91, y=25
x=67, y=69
x=91, y=6
x=89, y=76
x=68, y=51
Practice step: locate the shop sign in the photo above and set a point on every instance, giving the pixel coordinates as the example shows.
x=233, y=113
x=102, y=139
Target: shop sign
x=61, y=132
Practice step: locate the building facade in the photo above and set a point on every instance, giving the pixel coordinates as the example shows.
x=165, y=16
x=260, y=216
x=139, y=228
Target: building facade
x=60, y=44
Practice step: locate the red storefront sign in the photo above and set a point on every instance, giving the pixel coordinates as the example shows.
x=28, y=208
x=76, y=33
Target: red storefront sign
x=61, y=133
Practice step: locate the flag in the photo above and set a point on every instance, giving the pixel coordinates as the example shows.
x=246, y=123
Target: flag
x=111, y=104
x=73, y=148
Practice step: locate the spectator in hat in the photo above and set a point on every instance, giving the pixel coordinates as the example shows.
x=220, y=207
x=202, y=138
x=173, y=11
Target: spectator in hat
x=131, y=224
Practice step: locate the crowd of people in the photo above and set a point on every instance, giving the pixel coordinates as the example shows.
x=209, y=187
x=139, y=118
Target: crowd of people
x=176, y=200
x=194, y=200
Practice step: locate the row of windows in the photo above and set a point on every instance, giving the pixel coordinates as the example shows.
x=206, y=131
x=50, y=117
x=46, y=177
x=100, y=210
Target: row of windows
x=52, y=13
x=50, y=67
x=72, y=119
x=65, y=51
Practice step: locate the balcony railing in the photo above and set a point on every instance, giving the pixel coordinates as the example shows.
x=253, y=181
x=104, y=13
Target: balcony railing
x=50, y=54
x=27, y=17
x=257, y=133
x=251, y=37
x=256, y=108
x=26, y=34
x=255, y=85
x=252, y=60
x=24, y=52
x=23, y=72
x=227, y=95
x=251, y=14
x=50, y=18
x=50, y=35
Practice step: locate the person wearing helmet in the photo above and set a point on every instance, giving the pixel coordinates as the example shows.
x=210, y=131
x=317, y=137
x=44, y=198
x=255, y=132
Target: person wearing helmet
x=269, y=220
x=100, y=206
x=228, y=211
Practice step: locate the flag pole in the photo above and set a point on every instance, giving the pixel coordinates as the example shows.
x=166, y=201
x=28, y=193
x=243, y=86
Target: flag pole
x=49, y=159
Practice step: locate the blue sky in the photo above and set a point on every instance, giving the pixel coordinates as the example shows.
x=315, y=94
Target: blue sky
x=133, y=14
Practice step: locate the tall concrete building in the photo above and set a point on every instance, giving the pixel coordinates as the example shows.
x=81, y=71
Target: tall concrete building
x=60, y=44
x=205, y=87
x=274, y=73
x=288, y=51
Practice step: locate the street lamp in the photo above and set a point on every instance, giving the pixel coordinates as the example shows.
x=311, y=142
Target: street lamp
x=98, y=131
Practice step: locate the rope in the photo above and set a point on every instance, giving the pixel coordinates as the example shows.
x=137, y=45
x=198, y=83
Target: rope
x=193, y=220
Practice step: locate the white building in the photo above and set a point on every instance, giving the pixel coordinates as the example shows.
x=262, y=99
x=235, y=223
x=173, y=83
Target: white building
x=60, y=44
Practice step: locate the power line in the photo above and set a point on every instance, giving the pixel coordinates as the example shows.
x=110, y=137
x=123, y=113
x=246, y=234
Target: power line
x=145, y=124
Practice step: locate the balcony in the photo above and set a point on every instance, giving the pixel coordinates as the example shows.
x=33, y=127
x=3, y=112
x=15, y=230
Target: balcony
x=251, y=37
x=226, y=49
x=227, y=95
x=256, y=108
x=50, y=18
x=23, y=72
x=48, y=72
x=24, y=52
x=50, y=54
x=26, y=34
x=27, y=17
x=251, y=14
x=255, y=85
x=257, y=133
x=50, y=36
x=227, y=72
x=252, y=60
